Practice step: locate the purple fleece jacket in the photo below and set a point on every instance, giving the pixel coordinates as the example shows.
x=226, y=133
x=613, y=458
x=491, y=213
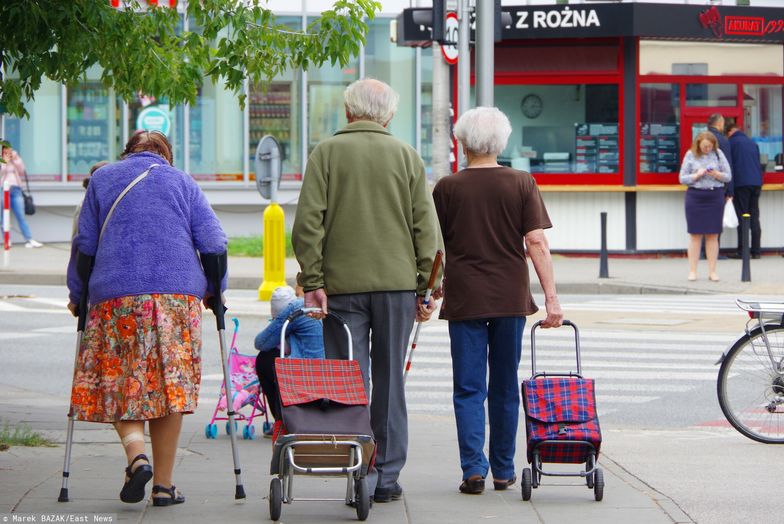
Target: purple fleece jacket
x=153, y=239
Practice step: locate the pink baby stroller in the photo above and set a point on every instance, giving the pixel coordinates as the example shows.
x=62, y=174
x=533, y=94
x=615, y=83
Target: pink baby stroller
x=245, y=391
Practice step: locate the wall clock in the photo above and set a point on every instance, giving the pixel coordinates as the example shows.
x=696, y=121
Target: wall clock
x=531, y=106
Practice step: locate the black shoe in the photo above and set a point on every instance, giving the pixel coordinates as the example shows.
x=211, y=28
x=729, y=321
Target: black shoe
x=722, y=257
x=388, y=494
x=755, y=257
x=734, y=256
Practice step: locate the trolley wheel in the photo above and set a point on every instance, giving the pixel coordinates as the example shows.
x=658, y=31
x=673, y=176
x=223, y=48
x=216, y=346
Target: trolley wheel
x=526, y=483
x=275, y=498
x=598, y=486
x=363, y=498
x=589, y=477
x=211, y=431
x=228, y=428
x=249, y=432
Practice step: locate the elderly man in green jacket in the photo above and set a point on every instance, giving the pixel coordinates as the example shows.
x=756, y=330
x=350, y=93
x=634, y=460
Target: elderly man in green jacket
x=365, y=235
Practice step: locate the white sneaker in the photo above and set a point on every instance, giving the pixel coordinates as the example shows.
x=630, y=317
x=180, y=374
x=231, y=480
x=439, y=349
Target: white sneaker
x=33, y=243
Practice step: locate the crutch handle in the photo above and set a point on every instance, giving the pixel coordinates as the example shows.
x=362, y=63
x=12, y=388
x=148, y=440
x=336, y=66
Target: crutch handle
x=215, y=267
x=84, y=267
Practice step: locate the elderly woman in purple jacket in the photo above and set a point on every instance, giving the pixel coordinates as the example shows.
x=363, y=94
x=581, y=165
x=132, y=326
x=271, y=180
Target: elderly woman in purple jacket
x=140, y=358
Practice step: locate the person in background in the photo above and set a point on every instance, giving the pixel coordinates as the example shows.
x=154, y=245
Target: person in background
x=304, y=336
x=13, y=170
x=366, y=236
x=140, y=357
x=489, y=215
x=747, y=186
x=717, y=126
x=85, y=183
x=704, y=170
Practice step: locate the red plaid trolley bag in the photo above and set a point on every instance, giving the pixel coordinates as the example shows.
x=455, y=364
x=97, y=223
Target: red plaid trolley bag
x=325, y=428
x=561, y=423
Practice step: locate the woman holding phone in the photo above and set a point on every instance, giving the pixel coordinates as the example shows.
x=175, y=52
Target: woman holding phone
x=705, y=170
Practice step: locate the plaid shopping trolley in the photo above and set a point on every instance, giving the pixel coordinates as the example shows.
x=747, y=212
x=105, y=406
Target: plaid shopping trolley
x=325, y=428
x=561, y=423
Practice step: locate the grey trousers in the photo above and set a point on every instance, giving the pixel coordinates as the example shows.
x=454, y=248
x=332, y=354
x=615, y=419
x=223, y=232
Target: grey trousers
x=380, y=325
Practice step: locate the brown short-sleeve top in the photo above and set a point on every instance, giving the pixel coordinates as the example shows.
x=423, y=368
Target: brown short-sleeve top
x=484, y=214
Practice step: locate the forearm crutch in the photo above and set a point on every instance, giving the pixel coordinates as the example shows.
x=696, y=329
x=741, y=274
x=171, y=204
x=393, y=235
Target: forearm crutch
x=84, y=266
x=215, y=270
x=430, y=284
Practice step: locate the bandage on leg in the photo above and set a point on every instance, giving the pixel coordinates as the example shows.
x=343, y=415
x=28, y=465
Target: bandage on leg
x=130, y=438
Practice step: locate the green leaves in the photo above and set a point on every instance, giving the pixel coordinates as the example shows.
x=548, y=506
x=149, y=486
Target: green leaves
x=147, y=50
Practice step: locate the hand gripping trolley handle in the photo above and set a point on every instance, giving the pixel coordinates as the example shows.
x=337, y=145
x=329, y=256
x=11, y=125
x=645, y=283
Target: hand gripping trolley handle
x=561, y=423
x=327, y=425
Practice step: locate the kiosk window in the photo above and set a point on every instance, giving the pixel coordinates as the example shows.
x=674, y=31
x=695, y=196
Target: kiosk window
x=762, y=108
x=659, y=128
x=561, y=129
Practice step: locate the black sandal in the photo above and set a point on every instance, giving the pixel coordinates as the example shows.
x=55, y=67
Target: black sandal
x=473, y=485
x=133, y=489
x=175, y=497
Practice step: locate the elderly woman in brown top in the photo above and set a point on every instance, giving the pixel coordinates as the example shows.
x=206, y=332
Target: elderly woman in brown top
x=489, y=215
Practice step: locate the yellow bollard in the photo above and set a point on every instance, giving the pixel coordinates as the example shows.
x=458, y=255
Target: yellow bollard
x=274, y=251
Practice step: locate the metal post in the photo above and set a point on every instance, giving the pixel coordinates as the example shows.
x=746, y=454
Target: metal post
x=463, y=66
x=745, y=227
x=603, y=269
x=441, y=137
x=485, y=47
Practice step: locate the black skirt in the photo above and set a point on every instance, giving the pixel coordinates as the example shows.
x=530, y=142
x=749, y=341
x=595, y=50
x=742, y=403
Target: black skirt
x=704, y=211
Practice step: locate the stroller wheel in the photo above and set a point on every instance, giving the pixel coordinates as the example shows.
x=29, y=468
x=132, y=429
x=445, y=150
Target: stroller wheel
x=228, y=428
x=527, y=479
x=266, y=427
x=249, y=432
x=211, y=431
x=275, y=499
x=363, y=498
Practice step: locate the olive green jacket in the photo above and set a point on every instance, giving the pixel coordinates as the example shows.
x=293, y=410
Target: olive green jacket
x=365, y=219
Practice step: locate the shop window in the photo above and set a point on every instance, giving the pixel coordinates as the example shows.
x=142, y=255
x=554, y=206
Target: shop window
x=94, y=127
x=561, y=128
x=711, y=95
x=274, y=109
x=762, y=108
x=38, y=139
x=149, y=113
x=658, y=57
x=659, y=128
x=426, y=119
x=395, y=66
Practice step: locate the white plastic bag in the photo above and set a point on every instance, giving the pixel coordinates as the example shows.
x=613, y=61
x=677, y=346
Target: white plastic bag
x=730, y=218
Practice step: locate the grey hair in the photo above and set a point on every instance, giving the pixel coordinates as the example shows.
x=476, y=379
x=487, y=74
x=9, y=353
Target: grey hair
x=483, y=130
x=370, y=99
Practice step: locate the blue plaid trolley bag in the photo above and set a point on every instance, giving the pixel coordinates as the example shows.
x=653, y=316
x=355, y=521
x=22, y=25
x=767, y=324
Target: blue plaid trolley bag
x=561, y=423
x=325, y=429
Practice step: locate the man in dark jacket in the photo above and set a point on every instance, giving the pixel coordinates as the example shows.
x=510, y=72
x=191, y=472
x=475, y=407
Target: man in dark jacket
x=746, y=184
x=716, y=126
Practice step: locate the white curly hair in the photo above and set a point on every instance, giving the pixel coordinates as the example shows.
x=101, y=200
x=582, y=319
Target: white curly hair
x=483, y=131
x=370, y=99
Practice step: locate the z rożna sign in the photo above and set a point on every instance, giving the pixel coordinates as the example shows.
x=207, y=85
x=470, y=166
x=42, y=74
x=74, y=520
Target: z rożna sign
x=645, y=20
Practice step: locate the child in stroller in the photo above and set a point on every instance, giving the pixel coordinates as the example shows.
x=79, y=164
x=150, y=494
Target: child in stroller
x=305, y=340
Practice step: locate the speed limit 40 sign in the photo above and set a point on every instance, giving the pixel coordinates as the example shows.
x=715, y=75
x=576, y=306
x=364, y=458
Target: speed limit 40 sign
x=450, y=35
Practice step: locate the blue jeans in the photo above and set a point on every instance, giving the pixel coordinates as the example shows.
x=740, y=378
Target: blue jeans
x=470, y=341
x=17, y=206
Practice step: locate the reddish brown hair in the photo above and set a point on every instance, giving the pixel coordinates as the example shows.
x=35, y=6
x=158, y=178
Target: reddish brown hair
x=705, y=135
x=152, y=141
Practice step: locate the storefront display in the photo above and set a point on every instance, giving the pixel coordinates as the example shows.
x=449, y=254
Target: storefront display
x=93, y=120
x=271, y=114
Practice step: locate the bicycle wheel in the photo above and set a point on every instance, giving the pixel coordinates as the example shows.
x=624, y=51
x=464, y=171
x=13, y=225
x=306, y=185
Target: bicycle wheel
x=751, y=387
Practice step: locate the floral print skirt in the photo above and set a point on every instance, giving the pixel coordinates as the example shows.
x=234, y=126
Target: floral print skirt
x=140, y=359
